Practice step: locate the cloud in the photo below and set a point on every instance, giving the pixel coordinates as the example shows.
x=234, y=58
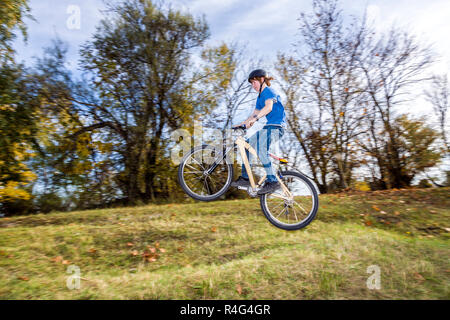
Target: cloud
x=431, y=24
x=51, y=22
x=267, y=26
x=373, y=13
x=268, y=22
x=426, y=20
x=209, y=7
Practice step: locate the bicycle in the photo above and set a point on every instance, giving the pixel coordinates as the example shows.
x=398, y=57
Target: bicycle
x=297, y=199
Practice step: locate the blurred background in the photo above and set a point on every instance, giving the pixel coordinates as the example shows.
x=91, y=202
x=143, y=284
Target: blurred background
x=90, y=92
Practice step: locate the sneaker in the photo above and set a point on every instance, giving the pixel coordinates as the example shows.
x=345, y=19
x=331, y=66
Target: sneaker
x=241, y=182
x=269, y=187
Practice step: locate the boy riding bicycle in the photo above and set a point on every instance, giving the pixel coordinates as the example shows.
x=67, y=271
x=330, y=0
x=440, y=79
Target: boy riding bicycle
x=268, y=105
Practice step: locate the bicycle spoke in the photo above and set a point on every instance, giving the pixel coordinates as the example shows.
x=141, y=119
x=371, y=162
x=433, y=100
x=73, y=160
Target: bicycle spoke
x=213, y=183
x=212, y=163
x=207, y=186
x=278, y=205
x=277, y=195
x=281, y=212
x=198, y=183
x=300, y=207
x=193, y=158
x=296, y=218
x=196, y=179
x=203, y=188
x=191, y=167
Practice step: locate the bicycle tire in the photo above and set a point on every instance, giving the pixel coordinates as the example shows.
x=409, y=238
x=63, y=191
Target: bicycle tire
x=304, y=222
x=194, y=195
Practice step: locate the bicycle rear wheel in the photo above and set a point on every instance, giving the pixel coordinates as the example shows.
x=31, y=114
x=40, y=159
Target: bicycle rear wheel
x=296, y=212
x=193, y=178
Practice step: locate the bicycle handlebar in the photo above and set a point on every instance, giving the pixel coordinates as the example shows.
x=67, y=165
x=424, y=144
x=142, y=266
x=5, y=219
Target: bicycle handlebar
x=243, y=127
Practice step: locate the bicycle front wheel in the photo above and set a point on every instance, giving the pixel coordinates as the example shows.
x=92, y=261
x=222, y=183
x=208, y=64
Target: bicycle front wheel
x=295, y=212
x=193, y=178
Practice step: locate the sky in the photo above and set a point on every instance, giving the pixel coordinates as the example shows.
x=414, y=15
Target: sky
x=265, y=26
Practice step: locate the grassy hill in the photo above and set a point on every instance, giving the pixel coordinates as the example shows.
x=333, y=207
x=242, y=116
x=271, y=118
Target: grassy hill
x=228, y=250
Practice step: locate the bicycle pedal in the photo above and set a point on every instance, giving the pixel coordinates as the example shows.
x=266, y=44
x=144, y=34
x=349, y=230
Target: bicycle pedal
x=242, y=188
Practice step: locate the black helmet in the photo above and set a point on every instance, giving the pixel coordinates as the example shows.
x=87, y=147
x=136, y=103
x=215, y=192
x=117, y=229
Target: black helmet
x=257, y=73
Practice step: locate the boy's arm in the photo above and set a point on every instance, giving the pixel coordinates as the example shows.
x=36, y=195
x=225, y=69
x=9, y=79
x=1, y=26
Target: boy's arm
x=266, y=110
x=253, y=116
x=262, y=113
x=258, y=114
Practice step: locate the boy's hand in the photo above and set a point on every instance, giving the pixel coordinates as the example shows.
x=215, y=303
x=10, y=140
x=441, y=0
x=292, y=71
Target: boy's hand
x=251, y=122
x=246, y=123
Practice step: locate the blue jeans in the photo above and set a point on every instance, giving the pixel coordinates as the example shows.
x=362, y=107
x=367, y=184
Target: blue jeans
x=260, y=141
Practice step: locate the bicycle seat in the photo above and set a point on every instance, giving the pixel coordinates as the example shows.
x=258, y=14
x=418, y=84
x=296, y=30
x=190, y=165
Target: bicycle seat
x=282, y=160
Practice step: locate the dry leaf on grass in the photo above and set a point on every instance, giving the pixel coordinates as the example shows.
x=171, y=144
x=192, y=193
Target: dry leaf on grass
x=418, y=276
x=239, y=289
x=57, y=259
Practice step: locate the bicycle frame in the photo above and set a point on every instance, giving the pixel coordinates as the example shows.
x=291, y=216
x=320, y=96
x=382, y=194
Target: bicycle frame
x=242, y=146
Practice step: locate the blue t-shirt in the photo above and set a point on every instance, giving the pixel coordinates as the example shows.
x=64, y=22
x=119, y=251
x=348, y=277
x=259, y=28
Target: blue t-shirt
x=277, y=115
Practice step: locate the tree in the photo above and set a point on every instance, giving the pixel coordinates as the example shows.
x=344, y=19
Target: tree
x=17, y=126
x=12, y=14
x=228, y=69
x=323, y=93
x=64, y=157
x=438, y=96
x=139, y=84
x=415, y=146
x=391, y=65
x=17, y=123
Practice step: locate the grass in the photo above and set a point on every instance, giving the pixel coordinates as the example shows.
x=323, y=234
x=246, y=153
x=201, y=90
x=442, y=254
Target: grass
x=228, y=250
